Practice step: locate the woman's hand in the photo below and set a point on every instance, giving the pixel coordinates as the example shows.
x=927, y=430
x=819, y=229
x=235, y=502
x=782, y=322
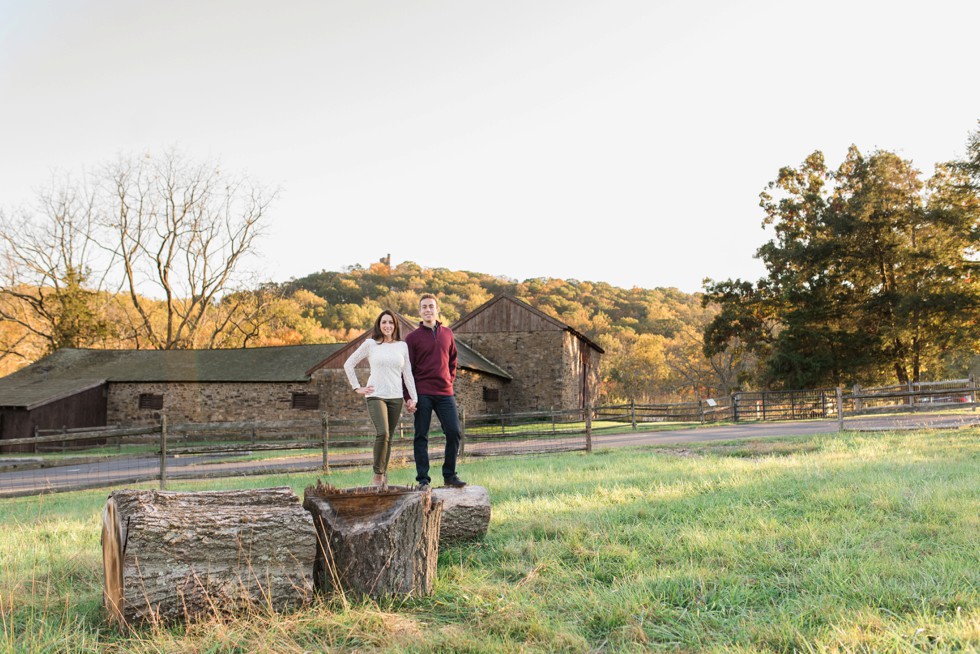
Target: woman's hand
x=410, y=405
x=365, y=390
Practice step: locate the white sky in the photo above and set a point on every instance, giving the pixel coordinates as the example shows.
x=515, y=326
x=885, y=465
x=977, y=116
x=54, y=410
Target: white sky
x=623, y=141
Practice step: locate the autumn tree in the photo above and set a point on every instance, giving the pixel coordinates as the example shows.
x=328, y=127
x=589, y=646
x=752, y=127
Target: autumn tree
x=50, y=289
x=145, y=251
x=871, y=273
x=179, y=231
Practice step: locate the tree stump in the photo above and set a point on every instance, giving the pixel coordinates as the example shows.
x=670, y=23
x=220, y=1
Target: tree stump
x=169, y=555
x=465, y=513
x=374, y=542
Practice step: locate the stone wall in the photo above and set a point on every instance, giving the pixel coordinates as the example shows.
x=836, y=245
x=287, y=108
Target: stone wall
x=470, y=395
x=337, y=398
x=211, y=402
x=540, y=364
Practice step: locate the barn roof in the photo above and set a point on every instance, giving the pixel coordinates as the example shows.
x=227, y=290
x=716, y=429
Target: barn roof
x=29, y=393
x=260, y=364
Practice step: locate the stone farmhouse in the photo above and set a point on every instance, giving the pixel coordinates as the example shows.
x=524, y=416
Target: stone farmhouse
x=512, y=357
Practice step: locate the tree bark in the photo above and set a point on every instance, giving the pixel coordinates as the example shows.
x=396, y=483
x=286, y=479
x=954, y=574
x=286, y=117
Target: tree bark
x=169, y=555
x=465, y=513
x=374, y=542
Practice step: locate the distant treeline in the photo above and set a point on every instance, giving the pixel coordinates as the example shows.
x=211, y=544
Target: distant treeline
x=652, y=337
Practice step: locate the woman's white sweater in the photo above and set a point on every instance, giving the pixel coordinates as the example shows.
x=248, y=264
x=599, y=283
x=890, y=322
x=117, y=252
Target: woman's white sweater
x=389, y=366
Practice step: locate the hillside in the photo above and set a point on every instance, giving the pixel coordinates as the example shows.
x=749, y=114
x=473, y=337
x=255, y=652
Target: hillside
x=652, y=337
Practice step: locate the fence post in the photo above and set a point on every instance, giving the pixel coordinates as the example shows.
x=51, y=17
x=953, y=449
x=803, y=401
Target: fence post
x=911, y=400
x=462, y=431
x=973, y=393
x=163, y=452
x=554, y=425
x=823, y=404
x=735, y=407
x=325, y=436
x=856, y=390
x=840, y=409
x=633, y=412
x=588, y=427
x=701, y=410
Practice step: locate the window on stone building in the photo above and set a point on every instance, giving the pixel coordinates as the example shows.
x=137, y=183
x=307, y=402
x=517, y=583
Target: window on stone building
x=491, y=394
x=306, y=401
x=151, y=401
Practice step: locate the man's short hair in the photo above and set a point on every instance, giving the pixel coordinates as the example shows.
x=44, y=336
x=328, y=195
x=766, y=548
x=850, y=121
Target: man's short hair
x=429, y=296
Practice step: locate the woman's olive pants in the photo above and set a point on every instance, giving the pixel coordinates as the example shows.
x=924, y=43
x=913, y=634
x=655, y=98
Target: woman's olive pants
x=384, y=414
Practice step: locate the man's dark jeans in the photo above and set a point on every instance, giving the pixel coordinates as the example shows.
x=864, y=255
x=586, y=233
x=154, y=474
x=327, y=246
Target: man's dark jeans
x=445, y=409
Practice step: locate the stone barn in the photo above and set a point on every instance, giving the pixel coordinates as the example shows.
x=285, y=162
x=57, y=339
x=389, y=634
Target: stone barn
x=511, y=357
x=477, y=378
x=85, y=388
x=550, y=364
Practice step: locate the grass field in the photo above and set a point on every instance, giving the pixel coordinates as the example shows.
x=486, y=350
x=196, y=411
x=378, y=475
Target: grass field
x=835, y=543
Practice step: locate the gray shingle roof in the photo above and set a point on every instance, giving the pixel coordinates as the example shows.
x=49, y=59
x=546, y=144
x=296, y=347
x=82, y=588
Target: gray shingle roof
x=260, y=364
x=470, y=359
x=27, y=392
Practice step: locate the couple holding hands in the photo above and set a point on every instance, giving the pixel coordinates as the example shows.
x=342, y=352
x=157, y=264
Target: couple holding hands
x=426, y=362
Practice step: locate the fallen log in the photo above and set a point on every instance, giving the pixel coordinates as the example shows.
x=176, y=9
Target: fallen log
x=169, y=555
x=373, y=541
x=465, y=513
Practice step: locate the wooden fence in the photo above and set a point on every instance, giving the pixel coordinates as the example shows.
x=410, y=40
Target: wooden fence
x=69, y=459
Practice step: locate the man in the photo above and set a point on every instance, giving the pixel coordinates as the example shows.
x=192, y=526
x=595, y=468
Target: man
x=432, y=352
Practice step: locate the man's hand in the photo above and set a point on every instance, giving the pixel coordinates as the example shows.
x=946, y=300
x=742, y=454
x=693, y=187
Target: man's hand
x=410, y=406
x=365, y=390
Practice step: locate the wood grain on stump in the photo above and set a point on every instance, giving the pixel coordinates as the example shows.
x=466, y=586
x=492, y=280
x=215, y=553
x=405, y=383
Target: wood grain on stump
x=169, y=555
x=375, y=542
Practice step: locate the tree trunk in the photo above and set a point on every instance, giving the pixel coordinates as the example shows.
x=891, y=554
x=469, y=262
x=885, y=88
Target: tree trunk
x=374, y=542
x=465, y=513
x=170, y=555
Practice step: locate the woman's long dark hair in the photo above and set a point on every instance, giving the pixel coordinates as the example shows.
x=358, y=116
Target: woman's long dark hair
x=378, y=336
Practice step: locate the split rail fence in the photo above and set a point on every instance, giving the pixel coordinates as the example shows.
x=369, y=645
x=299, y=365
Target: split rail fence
x=72, y=459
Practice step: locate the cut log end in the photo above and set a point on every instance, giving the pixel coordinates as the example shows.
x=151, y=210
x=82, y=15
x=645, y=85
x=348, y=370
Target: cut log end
x=465, y=513
x=168, y=556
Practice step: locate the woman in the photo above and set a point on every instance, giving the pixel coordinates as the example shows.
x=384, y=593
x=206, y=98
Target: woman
x=387, y=355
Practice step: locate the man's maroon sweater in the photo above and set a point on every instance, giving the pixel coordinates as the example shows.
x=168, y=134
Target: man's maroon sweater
x=433, y=357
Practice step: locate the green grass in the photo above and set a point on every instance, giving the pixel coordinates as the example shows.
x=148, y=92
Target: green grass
x=834, y=543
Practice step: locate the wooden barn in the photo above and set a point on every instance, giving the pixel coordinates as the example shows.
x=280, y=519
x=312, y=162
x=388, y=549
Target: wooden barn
x=31, y=404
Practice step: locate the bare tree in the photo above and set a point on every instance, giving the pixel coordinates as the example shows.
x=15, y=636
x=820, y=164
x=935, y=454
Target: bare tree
x=179, y=232
x=147, y=251
x=48, y=288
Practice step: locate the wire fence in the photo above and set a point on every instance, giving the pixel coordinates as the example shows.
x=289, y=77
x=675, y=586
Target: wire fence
x=73, y=459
